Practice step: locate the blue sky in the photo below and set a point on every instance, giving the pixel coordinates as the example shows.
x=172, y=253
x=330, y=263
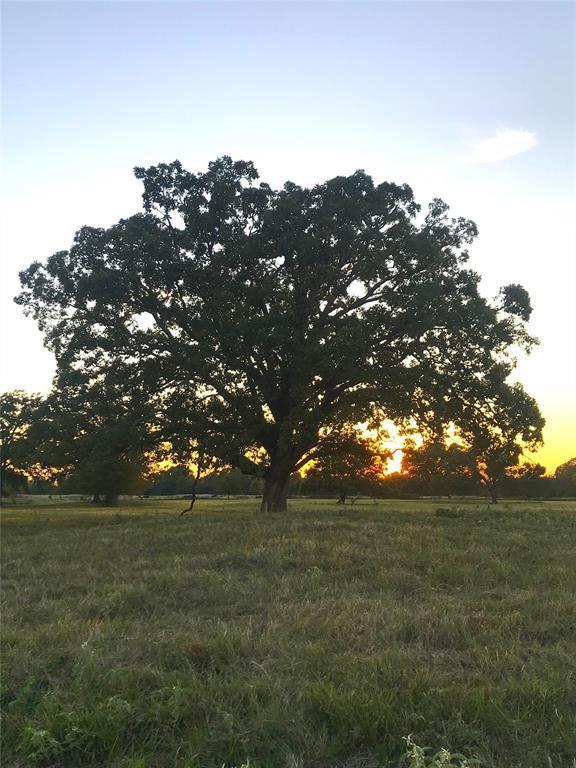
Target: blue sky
x=473, y=102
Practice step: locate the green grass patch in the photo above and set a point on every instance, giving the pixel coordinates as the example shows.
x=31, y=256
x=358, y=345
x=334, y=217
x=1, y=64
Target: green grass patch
x=134, y=638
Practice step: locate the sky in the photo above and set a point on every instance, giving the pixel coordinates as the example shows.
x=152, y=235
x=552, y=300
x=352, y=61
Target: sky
x=471, y=102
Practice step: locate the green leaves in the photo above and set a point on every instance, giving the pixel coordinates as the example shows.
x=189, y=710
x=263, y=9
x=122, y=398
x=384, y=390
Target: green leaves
x=516, y=301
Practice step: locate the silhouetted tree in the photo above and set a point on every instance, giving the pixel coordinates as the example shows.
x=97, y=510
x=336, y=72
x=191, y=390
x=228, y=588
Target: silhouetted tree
x=18, y=410
x=492, y=437
x=348, y=461
x=497, y=435
x=98, y=434
x=436, y=466
x=565, y=477
x=281, y=312
x=186, y=438
x=527, y=480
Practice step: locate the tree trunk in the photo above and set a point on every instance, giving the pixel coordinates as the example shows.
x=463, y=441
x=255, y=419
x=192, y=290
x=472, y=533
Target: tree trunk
x=96, y=499
x=110, y=499
x=342, y=497
x=493, y=490
x=191, y=505
x=274, y=496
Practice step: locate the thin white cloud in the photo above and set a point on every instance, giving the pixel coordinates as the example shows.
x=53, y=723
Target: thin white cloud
x=506, y=143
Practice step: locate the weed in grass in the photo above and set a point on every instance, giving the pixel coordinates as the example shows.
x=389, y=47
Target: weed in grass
x=422, y=757
x=38, y=745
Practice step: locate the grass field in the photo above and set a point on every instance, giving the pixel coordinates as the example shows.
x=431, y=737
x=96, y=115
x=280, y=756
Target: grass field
x=135, y=639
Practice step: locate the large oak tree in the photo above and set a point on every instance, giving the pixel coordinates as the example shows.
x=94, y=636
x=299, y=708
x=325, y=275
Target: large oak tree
x=276, y=313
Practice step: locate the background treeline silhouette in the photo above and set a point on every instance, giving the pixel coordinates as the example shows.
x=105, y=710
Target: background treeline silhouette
x=95, y=447
x=396, y=485
x=176, y=482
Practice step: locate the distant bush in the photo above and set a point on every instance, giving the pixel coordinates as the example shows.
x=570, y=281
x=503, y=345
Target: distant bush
x=447, y=512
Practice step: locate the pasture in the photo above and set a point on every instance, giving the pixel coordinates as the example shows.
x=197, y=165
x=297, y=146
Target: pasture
x=136, y=639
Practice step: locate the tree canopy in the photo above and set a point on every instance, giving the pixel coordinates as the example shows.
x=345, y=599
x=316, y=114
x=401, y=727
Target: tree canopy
x=277, y=313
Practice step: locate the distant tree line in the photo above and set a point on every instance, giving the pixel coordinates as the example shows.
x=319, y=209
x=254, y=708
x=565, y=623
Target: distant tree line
x=562, y=484
x=81, y=446
x=230, y=483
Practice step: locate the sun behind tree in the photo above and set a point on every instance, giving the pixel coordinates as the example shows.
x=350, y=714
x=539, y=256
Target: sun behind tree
x=278, y=313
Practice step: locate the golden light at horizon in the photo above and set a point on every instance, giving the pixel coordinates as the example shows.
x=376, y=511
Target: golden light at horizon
x=559, y=442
